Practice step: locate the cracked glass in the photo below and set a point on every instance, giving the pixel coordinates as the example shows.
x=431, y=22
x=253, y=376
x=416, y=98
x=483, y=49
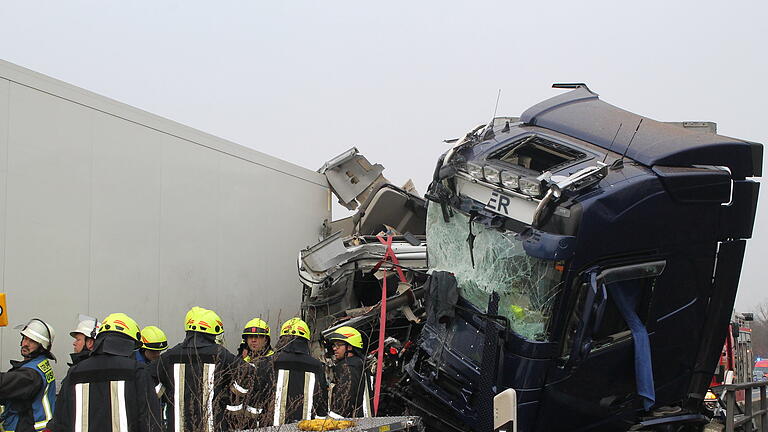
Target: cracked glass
x=526, y=286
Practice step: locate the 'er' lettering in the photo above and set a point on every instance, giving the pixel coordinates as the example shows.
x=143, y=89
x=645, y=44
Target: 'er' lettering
x=503, y=203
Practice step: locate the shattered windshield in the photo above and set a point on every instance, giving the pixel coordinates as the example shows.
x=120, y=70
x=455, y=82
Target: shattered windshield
x=526, y=286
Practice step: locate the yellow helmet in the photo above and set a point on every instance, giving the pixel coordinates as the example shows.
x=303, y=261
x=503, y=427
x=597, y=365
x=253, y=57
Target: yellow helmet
x=295, y=327
x=152, y=338
x=256, y=326
x=347, y=334
x=192, y=316
x=202, y=320
x=121, y=323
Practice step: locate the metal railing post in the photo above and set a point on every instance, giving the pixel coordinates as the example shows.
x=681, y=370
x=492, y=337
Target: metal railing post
x=748, y=409
x=764, y=409
x=730, y=409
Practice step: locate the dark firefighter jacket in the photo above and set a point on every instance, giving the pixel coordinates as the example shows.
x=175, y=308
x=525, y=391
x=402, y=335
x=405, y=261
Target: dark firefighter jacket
x=300, y=387
x=195, y=377
x=253, y=388
x=76, y=358
x=108, y=391
x=350, y=396
x=28, y=392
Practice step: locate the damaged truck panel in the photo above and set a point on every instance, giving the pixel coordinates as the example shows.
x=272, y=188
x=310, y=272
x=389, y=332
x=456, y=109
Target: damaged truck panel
x=339, y=274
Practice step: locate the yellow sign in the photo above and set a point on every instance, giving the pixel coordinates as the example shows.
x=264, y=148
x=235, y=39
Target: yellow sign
x=45, y=367
x=3, y=311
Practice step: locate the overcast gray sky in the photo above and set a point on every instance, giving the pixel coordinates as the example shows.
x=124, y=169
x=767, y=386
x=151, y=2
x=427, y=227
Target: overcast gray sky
x=306, y=80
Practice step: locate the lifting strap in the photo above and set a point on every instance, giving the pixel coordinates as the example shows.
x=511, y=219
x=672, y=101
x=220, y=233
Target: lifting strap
x=392, y=258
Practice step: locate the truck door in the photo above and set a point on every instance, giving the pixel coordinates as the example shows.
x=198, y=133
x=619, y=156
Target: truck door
x=606, y=357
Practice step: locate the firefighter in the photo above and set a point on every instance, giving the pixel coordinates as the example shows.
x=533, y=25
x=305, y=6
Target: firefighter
x=196, y=374
x=28, y=389
x=300, y=388
x=153, y=343
x=256, y=340
x=84, y=336
x=350, y=395
x=244, y=410
x=109, y=390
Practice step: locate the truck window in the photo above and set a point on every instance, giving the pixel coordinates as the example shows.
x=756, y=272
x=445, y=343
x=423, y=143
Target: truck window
x=537, y=154
x=613, y=328
x=527, y=286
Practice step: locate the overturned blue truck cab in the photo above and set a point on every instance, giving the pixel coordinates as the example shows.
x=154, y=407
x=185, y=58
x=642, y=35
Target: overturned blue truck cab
x=596, y=254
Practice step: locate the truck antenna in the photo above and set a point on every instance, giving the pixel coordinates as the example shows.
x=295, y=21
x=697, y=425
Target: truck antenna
x=621, y=161
x=612, y=141
x=496, y=108
x=488, y=133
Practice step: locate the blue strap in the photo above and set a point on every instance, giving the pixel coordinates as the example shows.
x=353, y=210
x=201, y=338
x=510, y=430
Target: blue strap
x=626, y=295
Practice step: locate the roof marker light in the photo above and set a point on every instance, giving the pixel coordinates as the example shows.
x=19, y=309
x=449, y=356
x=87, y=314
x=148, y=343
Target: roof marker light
x=510, y=180
x=530, y=186
x=492, y=174
x=475, y=171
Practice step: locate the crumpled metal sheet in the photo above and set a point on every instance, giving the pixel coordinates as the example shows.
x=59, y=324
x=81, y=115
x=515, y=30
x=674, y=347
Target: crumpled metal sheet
x=352, y=177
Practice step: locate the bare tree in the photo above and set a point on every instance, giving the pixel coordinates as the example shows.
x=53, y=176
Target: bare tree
x=760, y=330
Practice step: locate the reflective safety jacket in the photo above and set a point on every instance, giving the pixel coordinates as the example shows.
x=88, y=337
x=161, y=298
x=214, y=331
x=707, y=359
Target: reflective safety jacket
x=351, y=392
x=28, y=392
x=300, y=387
x=195, y=376
x=251, y=391
x=108, y=391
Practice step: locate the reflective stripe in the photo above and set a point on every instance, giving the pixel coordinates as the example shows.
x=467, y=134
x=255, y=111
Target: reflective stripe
x=366, y=400
x=123, y=410
x=280, y=396
x=117, y=397
x=208, y=370
x=46, y=408
x=252, y=410
x=333, y=415
x=82, y=391
x=234, y=408
x=309, y=393
x=160, y=389
x=237, y=388
x=178, y=397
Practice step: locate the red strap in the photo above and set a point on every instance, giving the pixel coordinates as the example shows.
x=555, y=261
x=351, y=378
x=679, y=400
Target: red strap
x=388, y=256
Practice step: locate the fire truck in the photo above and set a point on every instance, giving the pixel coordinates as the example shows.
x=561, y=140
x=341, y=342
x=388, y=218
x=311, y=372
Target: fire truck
x=736, y=359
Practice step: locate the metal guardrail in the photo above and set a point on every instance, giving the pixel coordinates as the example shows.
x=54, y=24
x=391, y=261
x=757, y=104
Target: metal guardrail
x=734, y=419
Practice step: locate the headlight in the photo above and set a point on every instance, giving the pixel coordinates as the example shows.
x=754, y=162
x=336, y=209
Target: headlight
x=475, y=170
x=491, y=174
x=510, y=180
x=530, y=187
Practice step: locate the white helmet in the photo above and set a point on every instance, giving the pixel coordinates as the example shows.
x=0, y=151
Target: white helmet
x=40, y=332
x=87, y=327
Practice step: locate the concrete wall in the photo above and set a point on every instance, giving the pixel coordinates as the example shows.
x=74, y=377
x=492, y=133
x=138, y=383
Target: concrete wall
x=105, y=208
